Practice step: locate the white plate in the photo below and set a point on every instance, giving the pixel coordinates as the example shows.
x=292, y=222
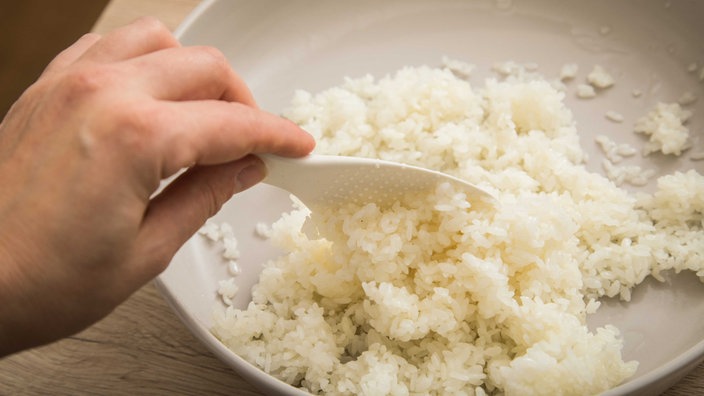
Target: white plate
x=281, y=46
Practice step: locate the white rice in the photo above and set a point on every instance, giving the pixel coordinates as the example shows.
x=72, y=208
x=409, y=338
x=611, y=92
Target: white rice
x=223, y=234
x=569, y=71
x=687, y=98
x=613, y=151
x=626, y=174
x=461, y=68
x=600, y=78
x=665, y=126
x=585, y=91
x=262, y=230
x=614, y=116
x=441, y=294
x=614, y=154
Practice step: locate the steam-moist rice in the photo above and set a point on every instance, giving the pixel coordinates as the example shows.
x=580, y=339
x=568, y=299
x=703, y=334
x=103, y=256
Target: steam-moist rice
x=444, y=294
x=666, y=130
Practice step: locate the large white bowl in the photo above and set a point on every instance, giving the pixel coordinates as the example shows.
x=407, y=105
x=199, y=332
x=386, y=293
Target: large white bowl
x=280, y=46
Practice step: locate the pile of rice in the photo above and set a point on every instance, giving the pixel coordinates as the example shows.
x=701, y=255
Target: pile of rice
x=445, y=294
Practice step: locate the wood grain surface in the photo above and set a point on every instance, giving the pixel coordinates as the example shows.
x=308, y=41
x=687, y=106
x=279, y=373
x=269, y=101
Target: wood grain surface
x=142, y=348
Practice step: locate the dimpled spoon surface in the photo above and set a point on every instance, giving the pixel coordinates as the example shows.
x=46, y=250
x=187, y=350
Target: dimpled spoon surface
x=328, y=180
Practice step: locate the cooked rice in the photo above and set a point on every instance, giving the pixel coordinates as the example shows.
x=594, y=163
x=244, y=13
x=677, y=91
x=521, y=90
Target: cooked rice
x=569, y=71
x=614, y=116
x=585, y=91
x=666, y=129
x=443, y=294
x=600, y=78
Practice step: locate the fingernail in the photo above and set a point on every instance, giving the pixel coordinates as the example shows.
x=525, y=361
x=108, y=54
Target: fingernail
x=250, y=175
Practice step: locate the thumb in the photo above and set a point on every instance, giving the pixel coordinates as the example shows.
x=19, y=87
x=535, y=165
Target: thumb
x=251, y=171
x=185, y=204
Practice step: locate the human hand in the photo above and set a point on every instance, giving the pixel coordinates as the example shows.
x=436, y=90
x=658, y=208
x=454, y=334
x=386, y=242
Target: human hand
x=82, y=153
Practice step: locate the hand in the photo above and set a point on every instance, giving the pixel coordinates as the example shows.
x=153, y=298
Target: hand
x=82, y=153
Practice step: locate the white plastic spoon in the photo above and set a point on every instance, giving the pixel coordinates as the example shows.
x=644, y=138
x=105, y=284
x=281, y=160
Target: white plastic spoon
x=331, y=180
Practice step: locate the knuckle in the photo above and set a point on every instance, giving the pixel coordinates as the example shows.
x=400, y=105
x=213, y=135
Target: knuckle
x=134, y=128
x=150, y=22
x=140, y=118
x=86, y=80
x=156, y=30
x=215, y=59
x=255, y=128
x=131, y=124
x=152, y=25
x=182, y=155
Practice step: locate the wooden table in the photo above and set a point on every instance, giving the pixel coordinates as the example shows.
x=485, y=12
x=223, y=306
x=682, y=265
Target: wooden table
x=142, y=348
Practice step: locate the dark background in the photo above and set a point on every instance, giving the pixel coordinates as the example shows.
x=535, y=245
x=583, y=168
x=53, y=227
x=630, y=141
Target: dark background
x=32, y=32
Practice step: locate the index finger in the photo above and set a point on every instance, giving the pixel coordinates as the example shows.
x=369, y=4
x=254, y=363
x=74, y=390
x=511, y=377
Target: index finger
x=215, y=132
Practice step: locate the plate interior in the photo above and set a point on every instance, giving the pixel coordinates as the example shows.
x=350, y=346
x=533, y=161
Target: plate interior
x=278, y=47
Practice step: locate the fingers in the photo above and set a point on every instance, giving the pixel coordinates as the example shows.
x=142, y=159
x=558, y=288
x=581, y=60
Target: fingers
x=70, y=54
x=158, y=64
x=189, y=73
x=213, y=132
x=184, y=205
x=143, y=36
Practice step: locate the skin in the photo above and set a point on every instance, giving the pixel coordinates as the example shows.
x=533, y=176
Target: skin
x=83, y=152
